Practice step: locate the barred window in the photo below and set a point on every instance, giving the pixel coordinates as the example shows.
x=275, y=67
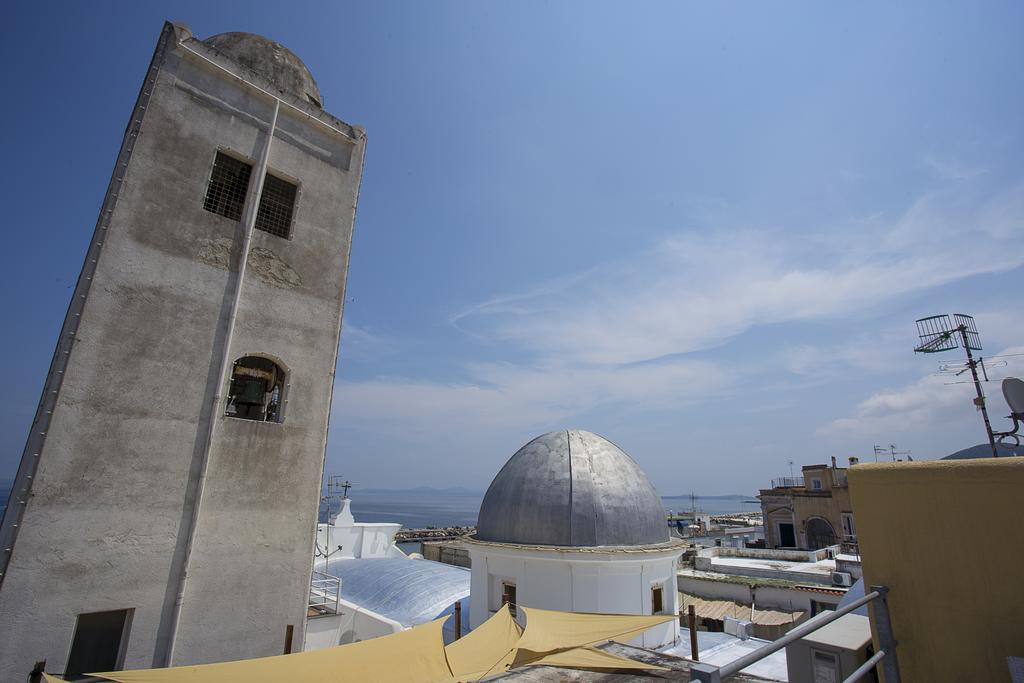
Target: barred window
x=229, y=182
x=276, y=206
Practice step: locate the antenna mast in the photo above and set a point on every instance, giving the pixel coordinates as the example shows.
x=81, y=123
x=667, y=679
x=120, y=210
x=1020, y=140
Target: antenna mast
x=936, y=334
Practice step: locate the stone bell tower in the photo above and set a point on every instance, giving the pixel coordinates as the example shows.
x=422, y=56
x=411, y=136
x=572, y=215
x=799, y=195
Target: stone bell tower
x=165, y=506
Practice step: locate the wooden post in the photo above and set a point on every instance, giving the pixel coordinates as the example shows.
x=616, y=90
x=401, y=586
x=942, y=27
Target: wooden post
x=36, y=674
x=289, y=631
x=458, y=619
x=691, y=616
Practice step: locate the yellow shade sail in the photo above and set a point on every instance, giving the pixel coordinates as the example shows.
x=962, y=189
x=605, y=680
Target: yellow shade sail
x=52, y=679
x=487, y=649
x=412, y=656
x=551, y=638
x=419, y=656
x=547, y=630
x=591, y=658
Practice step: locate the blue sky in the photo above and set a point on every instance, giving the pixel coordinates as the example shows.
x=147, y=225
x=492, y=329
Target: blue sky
x=703, y=230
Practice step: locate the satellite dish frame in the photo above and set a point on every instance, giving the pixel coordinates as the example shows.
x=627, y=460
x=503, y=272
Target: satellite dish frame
x=1013, y=392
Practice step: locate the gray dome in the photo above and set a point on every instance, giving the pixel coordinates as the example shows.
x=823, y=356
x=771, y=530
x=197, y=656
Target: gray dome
x=572, y=488
x=271, y=60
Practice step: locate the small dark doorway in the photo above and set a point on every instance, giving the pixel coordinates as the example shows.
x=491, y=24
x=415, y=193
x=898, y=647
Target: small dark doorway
x=508, y=595
x=98, y=644
x=657, y=600
x=787, y=537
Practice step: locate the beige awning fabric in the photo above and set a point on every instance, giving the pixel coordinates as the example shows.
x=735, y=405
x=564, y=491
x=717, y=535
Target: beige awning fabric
x=418, y=654
x=592, y=658
x=720, y=609
x=486, y=650
x=547, y=630
x=412, y=656
x=52, y=679
x=773, y=617
x=551, y=638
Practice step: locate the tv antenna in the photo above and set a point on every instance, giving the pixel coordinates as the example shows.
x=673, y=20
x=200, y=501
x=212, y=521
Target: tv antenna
x=937, y=333
x=336, y=491
x=1013, y=392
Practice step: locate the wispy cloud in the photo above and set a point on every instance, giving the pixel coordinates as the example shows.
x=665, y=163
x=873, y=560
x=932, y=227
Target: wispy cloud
x=698, y=289
x=504, y=395
x=930, y=401
x=954, y=170
x=360, y=343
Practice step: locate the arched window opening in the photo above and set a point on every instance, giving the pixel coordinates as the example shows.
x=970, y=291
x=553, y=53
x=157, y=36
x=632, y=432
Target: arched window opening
x=820, y=534
x=257, y=390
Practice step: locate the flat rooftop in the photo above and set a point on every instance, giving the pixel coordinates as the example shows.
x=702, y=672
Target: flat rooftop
x=815, y=568
x=721, y=648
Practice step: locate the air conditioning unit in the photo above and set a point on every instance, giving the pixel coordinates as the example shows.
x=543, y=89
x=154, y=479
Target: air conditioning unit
x=740, y=628
x=842, y=579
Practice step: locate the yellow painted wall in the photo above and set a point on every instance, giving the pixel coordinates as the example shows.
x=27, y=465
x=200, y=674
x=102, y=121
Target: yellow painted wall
x=947, y=538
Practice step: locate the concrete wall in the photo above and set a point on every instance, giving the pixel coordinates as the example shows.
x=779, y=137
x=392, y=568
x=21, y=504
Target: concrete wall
x=350, y=625
x=705, y=554
x=113, y=494
x=769, y=597
x=610, y=583
x=448, y=552
x=956, y=612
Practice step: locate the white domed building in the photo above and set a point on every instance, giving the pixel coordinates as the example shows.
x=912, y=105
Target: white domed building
x=572, y=523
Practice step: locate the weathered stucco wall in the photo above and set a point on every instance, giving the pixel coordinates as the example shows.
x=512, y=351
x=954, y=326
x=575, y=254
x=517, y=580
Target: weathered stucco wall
x=956, y=609
x=113, y=494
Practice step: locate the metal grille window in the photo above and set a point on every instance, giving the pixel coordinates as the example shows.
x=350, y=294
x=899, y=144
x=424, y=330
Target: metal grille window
x=276, y=206
x=229, y=182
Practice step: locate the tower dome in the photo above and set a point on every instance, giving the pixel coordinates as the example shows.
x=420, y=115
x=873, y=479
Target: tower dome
x=271, y=60
x=572, y=488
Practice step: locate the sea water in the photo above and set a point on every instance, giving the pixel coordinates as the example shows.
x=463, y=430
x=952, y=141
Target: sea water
x=421, y=509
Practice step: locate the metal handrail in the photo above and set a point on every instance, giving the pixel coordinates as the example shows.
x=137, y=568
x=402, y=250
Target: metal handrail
x=325, y=591
x=708, y=673
x=865, y=668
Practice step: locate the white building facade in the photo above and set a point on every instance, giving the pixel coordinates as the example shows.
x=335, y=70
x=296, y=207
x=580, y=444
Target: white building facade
x=571, y=523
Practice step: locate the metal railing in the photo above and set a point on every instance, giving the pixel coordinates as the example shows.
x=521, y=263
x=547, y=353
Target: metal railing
x=849, y=546
x=886, y=655
x=788, y=483
x=324, y=592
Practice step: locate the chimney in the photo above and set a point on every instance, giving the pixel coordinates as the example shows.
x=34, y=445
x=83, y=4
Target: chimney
x=854, y=460
x=833, y=462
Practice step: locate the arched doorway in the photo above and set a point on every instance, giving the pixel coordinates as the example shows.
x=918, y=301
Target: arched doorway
x=820, y=533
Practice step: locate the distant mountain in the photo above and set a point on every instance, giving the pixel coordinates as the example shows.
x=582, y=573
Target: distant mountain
x=731, y=496
x=983, y=450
